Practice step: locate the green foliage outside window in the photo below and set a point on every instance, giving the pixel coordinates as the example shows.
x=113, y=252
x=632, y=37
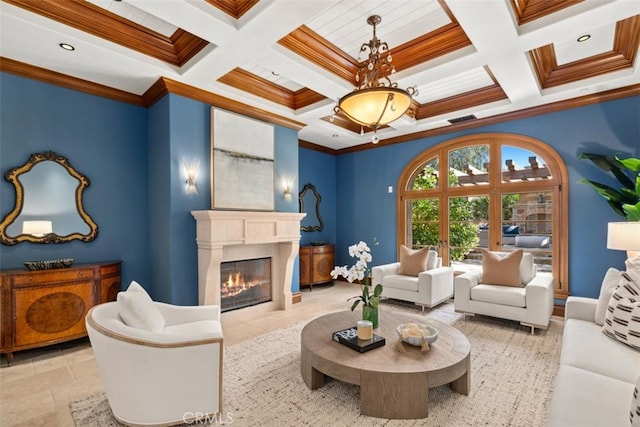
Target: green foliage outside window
x=465, y=214
x=425, y=218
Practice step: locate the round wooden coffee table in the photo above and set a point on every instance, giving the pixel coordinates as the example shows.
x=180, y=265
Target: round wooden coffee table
x=392, y=384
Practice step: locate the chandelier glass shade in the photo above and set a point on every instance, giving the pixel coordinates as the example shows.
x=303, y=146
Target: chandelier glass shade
x=376, y=101
x=376, y=106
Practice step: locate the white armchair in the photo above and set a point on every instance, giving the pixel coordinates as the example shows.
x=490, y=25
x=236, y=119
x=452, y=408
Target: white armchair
x=530, y=304
x=428, y=289
x=162, y=377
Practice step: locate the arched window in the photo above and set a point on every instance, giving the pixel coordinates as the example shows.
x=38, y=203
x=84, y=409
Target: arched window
x=495, y=191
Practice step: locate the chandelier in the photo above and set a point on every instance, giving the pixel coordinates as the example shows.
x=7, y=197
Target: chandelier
x=376, y=101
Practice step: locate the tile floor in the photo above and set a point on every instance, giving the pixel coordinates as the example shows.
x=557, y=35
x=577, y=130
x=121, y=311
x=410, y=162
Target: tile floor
x=37, y=388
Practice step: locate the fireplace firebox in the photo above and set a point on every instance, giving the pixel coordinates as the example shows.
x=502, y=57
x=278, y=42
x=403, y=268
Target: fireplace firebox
x=244, y=283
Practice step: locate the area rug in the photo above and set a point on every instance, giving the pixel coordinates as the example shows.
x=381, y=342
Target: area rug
x=512, y=374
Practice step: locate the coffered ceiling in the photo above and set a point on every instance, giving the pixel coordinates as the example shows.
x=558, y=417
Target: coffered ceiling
x=290, y=60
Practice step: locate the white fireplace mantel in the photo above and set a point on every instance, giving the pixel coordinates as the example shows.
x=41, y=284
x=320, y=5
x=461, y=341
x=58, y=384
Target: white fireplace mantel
x=231, y=235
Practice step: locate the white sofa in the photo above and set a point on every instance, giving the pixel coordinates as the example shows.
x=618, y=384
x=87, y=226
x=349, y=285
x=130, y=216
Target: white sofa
x=597, y=374
x=430, y=288
x=531, y=305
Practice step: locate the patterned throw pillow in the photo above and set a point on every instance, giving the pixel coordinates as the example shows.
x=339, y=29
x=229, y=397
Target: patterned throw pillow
x=634, y=414
x=622, y=318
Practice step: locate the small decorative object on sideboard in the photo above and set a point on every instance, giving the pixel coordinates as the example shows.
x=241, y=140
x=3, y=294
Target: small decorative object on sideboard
x=49, y=264
x=349, y=337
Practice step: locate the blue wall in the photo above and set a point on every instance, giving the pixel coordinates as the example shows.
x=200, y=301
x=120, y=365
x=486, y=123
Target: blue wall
x=135, y=158
x=320, y=170
x=286, y=172
x=367, y=210
x=102, y=139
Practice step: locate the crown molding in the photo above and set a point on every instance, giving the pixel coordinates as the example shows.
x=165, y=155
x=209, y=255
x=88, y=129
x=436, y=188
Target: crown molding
x=311, y=146
x=22, y=69
x=164, y=86
x=156, y=91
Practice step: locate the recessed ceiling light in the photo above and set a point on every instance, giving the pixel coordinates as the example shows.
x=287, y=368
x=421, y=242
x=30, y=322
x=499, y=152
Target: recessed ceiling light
x=66, y=46
x=583, y=38
x=275, y=73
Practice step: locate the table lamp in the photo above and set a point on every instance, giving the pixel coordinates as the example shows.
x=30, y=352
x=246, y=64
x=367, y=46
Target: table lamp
x=624, y=236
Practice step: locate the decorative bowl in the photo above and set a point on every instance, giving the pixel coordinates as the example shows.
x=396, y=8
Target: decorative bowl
x=49, y=264
x=318, y=243
x=415, y=333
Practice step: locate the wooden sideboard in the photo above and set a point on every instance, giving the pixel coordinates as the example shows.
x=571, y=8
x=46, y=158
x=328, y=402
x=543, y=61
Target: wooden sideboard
x=43, y=307
x=316, y=263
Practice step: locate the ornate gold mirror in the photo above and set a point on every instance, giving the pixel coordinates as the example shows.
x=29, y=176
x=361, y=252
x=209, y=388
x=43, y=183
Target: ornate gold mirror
x=48, y=206
x=309, y=200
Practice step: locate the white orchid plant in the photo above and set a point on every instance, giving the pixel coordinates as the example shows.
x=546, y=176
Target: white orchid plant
x=359, y=271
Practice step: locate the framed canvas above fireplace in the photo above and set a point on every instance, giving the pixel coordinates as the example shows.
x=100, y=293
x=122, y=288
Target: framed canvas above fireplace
x=242, y=162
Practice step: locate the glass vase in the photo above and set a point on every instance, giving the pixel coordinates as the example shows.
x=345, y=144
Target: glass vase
x=371, y=314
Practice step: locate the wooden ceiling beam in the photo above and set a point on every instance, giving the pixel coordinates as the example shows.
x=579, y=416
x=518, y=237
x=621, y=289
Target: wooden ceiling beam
x=233, y=8
x=530, y=10
x=622, y=56
x=469, y=99
x=256, y=85
x=82, y=15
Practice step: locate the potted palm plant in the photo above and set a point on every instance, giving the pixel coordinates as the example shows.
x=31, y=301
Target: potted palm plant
x=359, y=271
x=625, y=201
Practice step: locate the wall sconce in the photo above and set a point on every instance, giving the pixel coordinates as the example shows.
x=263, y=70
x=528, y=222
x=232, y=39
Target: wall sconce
x=191, y=169
x=37, y=228
x=286, y=184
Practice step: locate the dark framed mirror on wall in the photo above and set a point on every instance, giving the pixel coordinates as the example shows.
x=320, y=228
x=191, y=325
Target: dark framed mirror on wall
x=309, y=200
x=48, y=205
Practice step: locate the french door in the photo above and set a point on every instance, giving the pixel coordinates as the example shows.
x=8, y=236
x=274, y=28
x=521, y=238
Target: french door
x=499, y=192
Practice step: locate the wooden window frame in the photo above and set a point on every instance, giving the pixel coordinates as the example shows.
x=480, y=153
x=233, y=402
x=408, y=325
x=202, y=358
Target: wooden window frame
x=557, y=185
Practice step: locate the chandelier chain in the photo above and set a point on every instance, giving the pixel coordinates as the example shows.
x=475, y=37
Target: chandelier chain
x=375, y=101
x=375, y=70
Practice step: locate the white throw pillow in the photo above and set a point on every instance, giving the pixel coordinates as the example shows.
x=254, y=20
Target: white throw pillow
x=609, y=283
x=137, y=310
x=527, y=268
x=634, y=413
x=622, y=319
x=432, y=260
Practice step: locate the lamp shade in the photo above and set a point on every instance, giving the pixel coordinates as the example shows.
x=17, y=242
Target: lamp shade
x=624, y=236
x=37, y=228
x=375, y=107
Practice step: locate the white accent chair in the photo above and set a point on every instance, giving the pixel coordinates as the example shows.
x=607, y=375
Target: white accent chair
x=162, y=377
x=531, y=305
x=428, y=289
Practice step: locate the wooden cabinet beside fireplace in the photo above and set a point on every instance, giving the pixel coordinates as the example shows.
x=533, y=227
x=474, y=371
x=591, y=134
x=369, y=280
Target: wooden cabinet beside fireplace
x=43, y=307
x=316, y=263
